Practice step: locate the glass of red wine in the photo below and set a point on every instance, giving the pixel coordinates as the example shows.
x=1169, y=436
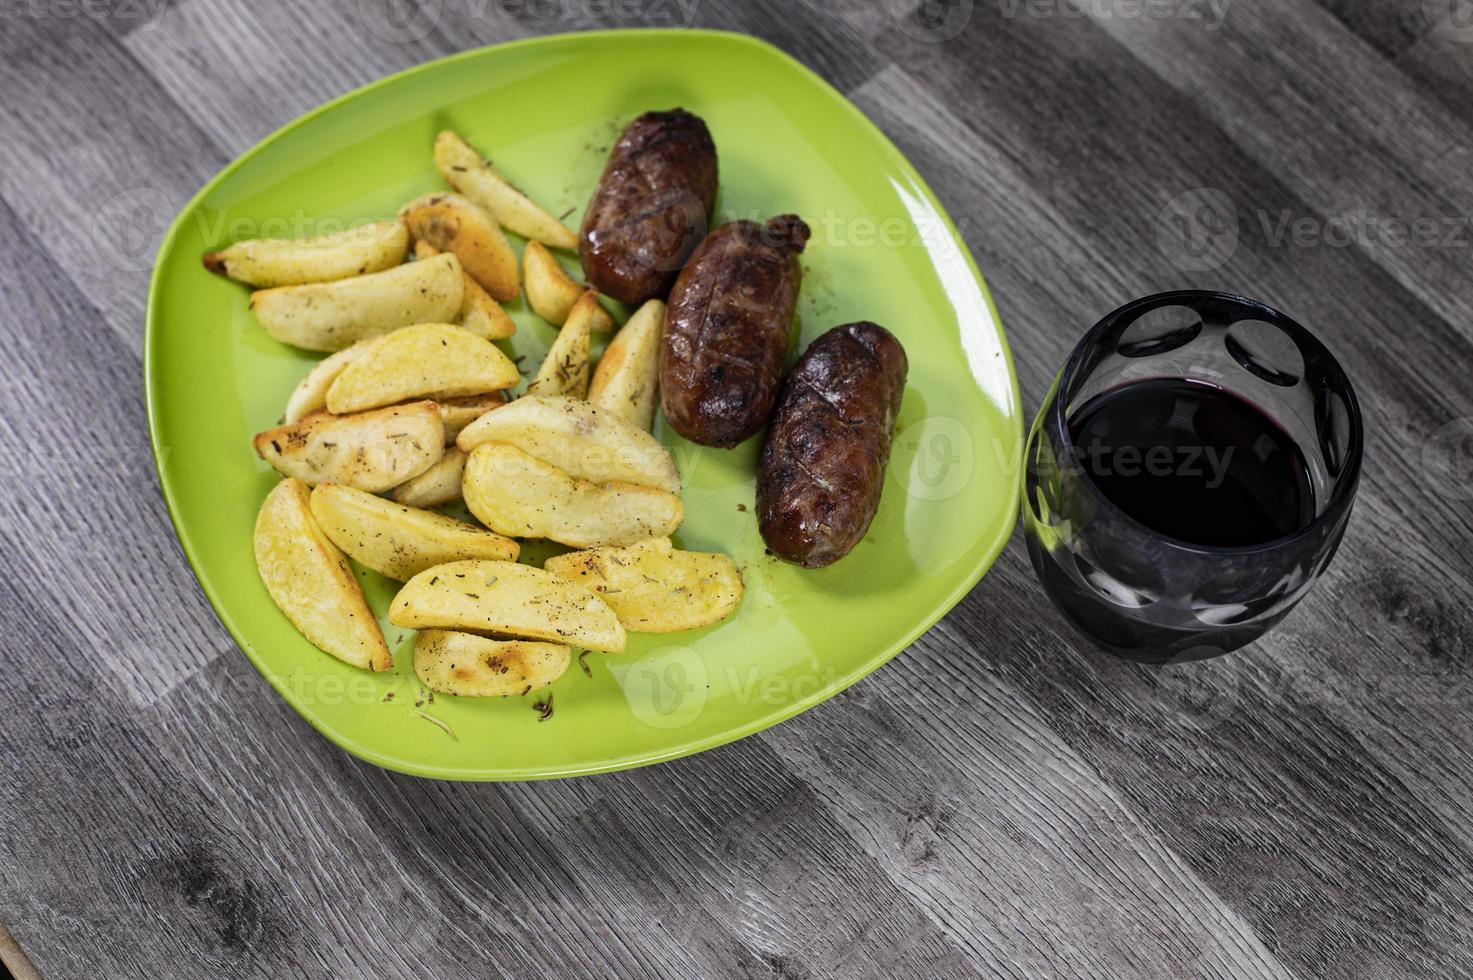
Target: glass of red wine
x=1189, y=475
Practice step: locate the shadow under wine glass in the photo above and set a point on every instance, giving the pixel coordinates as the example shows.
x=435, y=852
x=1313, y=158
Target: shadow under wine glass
x=1165, y=566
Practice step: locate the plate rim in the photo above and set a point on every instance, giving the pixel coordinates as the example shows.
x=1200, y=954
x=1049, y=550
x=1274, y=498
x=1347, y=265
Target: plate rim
x=152, y=382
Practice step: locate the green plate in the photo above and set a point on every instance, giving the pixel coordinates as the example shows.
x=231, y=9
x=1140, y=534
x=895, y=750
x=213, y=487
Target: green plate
x=547, y=110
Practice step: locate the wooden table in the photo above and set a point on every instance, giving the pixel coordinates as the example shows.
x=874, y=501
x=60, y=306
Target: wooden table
x=997, y=801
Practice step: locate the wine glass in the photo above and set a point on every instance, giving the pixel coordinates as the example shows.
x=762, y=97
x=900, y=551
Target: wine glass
x=1159, y=565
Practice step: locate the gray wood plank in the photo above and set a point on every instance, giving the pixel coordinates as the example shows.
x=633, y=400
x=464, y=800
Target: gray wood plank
x=1410, y=396
x=824, y=42
x=1266, y=789
x=1338, y=125
x=86, y=522
x=419, y=877
x=760, y=853
x=240, y=71
x=1416, y=393
x=1014, y=846
x=239, y=75
x=94, y=157
x=1390, y=28
x=1442, y=60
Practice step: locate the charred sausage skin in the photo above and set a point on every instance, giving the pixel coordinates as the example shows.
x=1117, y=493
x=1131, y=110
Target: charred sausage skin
x=651, y=207
x=727, y=330
x=823, y=466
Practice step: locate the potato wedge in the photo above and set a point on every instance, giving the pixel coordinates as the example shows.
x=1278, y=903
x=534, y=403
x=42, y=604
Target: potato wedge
x=470, y=174
x=626, y=381
x=457, y=413
x=436, y=486
x=267, y=262
x=370, y=451
x=333, y=315
x=551, y=292
x=654, y=587
x=397, y=540
x=479, y=667
x=520, y=496
x=310, y=394
x=564, y=370
x=483, y=316
x=311, y=583
x=427, y=360
x=504, y=599
x=479, y=311
x=453, y=224
x=585, y=442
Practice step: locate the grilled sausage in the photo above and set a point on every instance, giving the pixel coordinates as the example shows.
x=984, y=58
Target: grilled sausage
x=727, y=329
x=823, y=466
x=651, y=208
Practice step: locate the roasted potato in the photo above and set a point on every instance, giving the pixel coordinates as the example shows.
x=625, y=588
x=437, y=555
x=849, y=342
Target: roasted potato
x=310, y=394
x=585, y=442
x=520, y=496
x=370, y=451
x=267, y=262
x=483, y=316
x=479, y=667
x=428, y=360
x=333, y=315
x=310, y=581
x=626, y=381
x=479, y=311
x=654, y=588
x=465, y=170
x=457, y=413
x=551, y=292
x=436, y=486
x=453, y=224
x=504, y=599
x=397, y=540
x=564, y=370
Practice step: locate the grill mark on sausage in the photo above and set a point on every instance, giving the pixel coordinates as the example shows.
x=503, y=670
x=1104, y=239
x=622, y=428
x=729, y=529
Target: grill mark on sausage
x=823, y=465
x=704, y=310
x=808, y=472
x=828, y=400
x=644, y=166
x=732, y=357
x=728, y=328
x=652, y=205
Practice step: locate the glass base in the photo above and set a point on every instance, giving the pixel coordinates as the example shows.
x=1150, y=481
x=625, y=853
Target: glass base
x=1110, y=628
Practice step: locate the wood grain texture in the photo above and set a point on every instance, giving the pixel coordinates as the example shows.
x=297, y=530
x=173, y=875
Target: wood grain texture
x=96, y=158
x=997, y=802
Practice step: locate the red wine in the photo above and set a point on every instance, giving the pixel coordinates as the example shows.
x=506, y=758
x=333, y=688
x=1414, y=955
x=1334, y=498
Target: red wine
x=1194, y=462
